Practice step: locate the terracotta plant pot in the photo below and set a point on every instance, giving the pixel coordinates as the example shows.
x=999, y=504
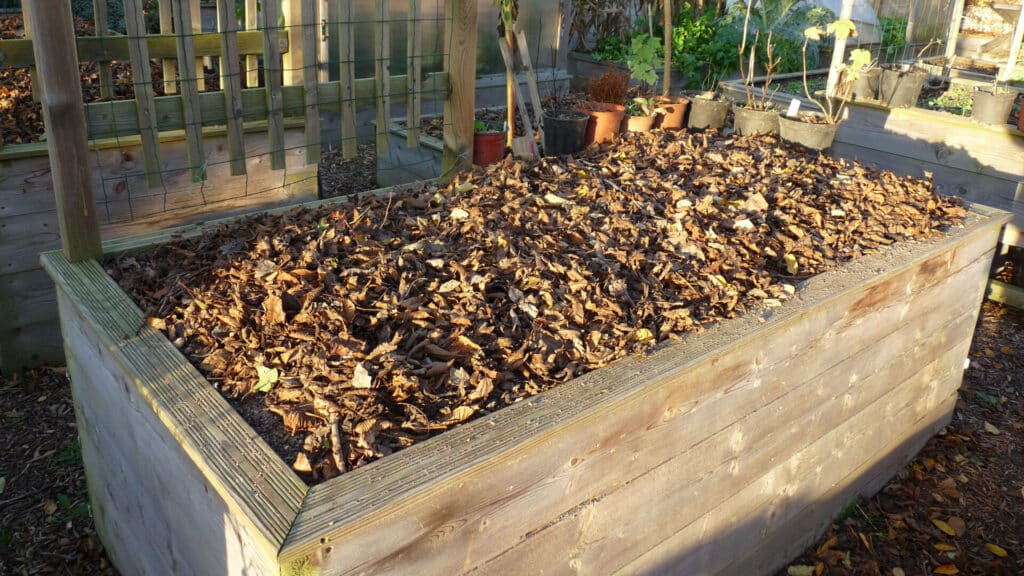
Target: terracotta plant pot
x=706, y=111
x=605, y=120
x=992, y=107
x=807, y=134
x=488, y=147
x=637, y=123
x=901, y=88
x=564, y=131
x=747, y=121
x=673, y=110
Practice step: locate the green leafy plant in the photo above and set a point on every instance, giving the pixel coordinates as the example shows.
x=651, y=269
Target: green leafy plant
x=267, y=378
x=483, y=127
x=644, y=60
x=71, y=509
x=894, y=36
x=641, y=106
x=699, y=49
x=860, y=60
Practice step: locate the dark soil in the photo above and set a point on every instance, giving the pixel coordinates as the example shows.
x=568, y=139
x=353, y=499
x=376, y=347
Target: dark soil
x=374, y=324
x=341, y=177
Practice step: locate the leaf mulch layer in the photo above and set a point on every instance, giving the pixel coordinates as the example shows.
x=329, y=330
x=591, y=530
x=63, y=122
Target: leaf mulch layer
x=342, y=177
x=21, y=119
x=956, y=509
x=45, y=519
x=375, y=323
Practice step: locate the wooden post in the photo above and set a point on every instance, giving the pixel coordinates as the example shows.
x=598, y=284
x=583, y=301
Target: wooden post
x=1018, y=37
x=460, y=65
x=294, y=59
x=347, y=81
x=197, y=28
x=142, y=82
x=190, y=87
x=908, y=39
x=102, y=22
x=231, y=84
x=252, y=62
x=170, y=66
x=531, y=80
x=382, y=72
x=953, y=33
x=565, y=16
x=310, y=42
x=667, y=82
x=839, y=49
x=510, y=73
x=272, y=79
x=56, y=56
x=414, y=70
x=33, y=77
x=324, y=50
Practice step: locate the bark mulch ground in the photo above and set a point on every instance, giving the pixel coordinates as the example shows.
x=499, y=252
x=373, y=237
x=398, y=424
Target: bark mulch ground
x=374, y=324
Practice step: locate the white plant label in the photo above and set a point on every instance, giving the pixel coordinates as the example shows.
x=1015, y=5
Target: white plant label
x=794, y=107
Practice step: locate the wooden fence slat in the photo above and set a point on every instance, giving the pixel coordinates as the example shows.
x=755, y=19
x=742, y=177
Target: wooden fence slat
x=231, y=84
x=142, y=81
x=272, y=82
x=33, y=78
x=294, y=60
x=310, y=65
x=382, y=72
x=324, y=48
x=252, y=63
x=413, y=104
x=190, y=86
x=347, y=81
x=65, y=127
x=169, y=65
x=460, y=65
x=102, y=22
x=196, y=17
x=531, y=78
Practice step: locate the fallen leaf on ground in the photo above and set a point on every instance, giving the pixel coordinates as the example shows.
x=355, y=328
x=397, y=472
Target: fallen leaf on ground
x=942, y=525
x=958, y=524
x=948, y=569
x=991, y=429
x=943, y=547
x=800, y=570
x=997, y=550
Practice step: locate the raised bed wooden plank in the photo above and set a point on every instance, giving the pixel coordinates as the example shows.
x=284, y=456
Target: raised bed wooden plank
x=554, y=442
x=225, y=500
x=1005, y=294
x=18, y=53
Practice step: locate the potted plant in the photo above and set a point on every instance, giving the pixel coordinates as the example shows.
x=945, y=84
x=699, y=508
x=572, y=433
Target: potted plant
x=992, y=106
x=900, y=84
x=565, y=131
x=643, y=62
x=606, y=93
x=758, y=115
x=817, y=131
x=488, y=143
x=708, y=108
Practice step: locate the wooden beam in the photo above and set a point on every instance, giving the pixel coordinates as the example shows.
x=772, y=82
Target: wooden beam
x=190, y=87
x=54, y=30
x=196, y=28
x=272, y=80
x=347, y=81
x=1018, y=37
x=324, y=49
x=33, y=78
x=382, y=72
x=142, y=81
x=169, y=65
x=531, y=78
x=954, y=32
x=18, y=53
x=310, y=66
x=838, y=49
x=414, y=101
x=231, y=84
x=102, y=23
x=460, y=65
x=294, y=61
x=667, y=78
x=1005, y=294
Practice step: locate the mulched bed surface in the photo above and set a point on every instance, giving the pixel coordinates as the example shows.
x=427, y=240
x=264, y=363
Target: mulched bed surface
x=341, y=177
x=374, y=324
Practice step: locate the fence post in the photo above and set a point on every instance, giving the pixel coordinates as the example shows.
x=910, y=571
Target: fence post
x=460, y=66
x=56, y=56
x=838, y=50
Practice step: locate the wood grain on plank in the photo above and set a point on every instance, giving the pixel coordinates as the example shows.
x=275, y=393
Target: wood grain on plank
x=231, y=85
x=460, y=66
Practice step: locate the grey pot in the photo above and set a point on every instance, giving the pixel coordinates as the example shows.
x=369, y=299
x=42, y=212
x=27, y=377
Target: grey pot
x=707, y=113
x=747, y=121
x=992, y=108
x=806, y=134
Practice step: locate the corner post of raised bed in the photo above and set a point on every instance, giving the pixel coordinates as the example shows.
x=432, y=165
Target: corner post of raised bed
x=952, y=34
x=838, y=50
x=460, y=66
x=56, y=57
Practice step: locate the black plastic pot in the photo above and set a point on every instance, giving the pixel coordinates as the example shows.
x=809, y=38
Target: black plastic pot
x=807, y=134
x=865, y=87
x=992, y=107
x=564, y=131
x=901, y=88
x=747, y=121
x=707, y=112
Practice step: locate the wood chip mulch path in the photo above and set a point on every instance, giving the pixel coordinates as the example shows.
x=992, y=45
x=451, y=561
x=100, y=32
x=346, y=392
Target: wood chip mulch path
x=374, y=324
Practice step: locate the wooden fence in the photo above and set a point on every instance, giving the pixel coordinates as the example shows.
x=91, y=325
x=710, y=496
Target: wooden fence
x=177, y=152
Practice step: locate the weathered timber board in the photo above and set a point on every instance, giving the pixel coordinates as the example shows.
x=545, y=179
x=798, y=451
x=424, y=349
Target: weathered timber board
x=622, y=467
x=179, y=483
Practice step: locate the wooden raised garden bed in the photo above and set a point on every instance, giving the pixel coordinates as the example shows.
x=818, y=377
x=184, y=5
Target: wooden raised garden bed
x=725, y=452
